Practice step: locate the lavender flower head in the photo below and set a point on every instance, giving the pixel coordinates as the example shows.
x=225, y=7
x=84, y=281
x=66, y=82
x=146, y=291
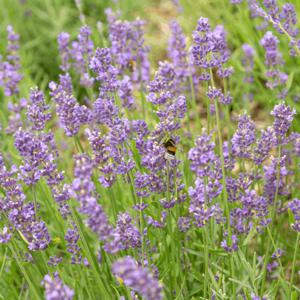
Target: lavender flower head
x=283, y=117
x=9, y=69
x=83, y=190
x=70, y=113
x=65, y=55
x=265, y=143
x=55, y=289
x=77, y=55
x=177, y=52
x=124, y=236
x=202, y=155
x=283, y=19
x=294, y=206
x=101, y=65
x=81, y=53
x=248, y=62
x=273, y=59
x=137, y=278
x=36, y=110
x=206, y=165
x=210, y=49
x=127, y=47
x=244, y=137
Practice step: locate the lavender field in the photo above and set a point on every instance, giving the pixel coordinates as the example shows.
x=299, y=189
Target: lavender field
x=149, y=149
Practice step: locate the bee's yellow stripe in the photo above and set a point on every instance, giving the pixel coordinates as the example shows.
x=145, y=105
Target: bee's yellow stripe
x=171, y=148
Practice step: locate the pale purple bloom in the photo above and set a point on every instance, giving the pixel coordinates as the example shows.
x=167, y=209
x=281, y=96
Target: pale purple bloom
x=234, y=243
x=178, y=55
x=71, y=114
x=5, y=235
x=248, y=62
x=55, y=289
x=210, y=48
x=161, y=223
x=265, y=143
x=126, y=92
x=294, y=206
x=35, y=232
x=202, y=156
x=184, y=223
x=205, y=164
x=139, y=279
x=77, y=55
x=72, y=238
x=124, y=236
x=273, y=182
x=101, y=65
x=9, y=69
x=15, y=121
x=127, y=47
x=64, y=50
x=83, y=190
x=244, y=137
x=216, y=94
x=283, y=19
x=283, y=117
x=55, y=260
x=36, y=110
x=273, y=59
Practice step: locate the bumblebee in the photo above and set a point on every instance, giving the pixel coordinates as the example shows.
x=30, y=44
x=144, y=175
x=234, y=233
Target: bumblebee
x=131, y=65
x=171, y=148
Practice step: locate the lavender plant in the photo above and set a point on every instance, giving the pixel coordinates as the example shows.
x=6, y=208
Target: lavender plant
x=123, y=180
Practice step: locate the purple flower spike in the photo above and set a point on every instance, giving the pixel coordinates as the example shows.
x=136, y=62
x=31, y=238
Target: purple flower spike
x=55, y=289
x=178, y=55
x=294, y=206
x=139, y=279
x=248, y=62
x=283, y=117
x=9, y=69
x=210, y=48
x=63, y=45
x=71, y=114
x=273, y=59
x=244, y=137
x=128, y=49
x=36, y=110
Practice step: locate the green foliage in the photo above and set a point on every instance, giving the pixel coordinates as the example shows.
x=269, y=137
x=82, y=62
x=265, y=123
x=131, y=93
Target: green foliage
x=206, y=268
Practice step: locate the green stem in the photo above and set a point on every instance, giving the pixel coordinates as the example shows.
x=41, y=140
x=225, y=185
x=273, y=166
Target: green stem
x=91, y=258
x=194, y=103
x=34, y=201
x=205, y=261
x=224, y=190
x=26, y=275
x=141, y=218
x=294, y=263
x=273, y=215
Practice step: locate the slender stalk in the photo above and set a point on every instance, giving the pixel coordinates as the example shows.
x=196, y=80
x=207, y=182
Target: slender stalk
x=138, y=200
x=194, y=103
x=205, y=262
x=99, y=278
x=205, y=239
x=224, y=190
x=294, y=263
x=273, y=215
x=227, y=113
x=34, y=201
x=26, y=275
